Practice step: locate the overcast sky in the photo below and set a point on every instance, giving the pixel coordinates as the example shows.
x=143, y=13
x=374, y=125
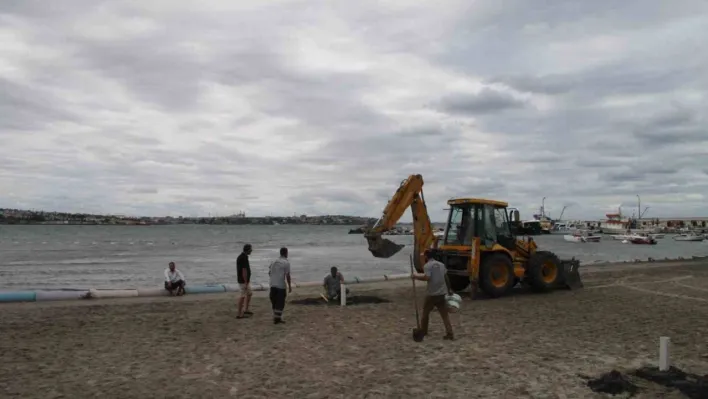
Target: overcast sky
x=318, y=107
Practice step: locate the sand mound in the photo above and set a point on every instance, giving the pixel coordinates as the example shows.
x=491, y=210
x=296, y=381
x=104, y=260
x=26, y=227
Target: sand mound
x=354, y=300
x=613, y=383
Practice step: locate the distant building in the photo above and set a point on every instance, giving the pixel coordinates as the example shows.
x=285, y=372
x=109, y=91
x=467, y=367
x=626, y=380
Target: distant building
x=691, y=222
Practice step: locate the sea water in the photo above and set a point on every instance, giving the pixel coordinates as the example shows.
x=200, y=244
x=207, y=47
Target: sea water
x=82, y=257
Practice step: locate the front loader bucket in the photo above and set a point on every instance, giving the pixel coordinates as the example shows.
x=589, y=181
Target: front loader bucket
x=571, y=274
x=381, y=247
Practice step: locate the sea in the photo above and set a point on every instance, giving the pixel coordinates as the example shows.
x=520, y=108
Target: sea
x=45, y=257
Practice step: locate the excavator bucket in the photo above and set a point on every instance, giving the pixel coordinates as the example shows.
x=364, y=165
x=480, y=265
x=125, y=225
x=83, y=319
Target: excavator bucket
x=381, y=247
x=571, y=274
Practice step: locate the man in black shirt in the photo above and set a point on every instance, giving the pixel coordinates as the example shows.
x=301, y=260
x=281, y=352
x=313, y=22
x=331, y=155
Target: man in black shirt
x=243, y=269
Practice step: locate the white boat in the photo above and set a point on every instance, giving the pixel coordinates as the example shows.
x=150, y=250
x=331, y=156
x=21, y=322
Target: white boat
x=582, y=237
x=656, y=236
x=560, y=228
x=614, y=224
x=564, y=228
x=574, y=238
x=688, y=237
x=592, y=238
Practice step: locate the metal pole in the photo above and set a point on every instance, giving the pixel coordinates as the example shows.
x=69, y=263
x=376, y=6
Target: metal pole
x=543, y=207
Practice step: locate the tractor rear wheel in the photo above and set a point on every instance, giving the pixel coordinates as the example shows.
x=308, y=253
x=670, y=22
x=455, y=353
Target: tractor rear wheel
x=544, y=271
x=496, y=275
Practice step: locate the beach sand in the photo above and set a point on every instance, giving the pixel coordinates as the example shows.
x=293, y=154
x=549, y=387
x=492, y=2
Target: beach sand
x=526, y=345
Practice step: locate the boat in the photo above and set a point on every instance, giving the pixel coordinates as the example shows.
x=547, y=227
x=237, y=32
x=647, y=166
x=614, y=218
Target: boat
x=544, y=223
x=563, y=228
x=593, y=238
x=688, y=237
x=643, y=240
x=656, y=236
x=574, y=238
x=580, y=236
x=560, y=228
x=615, y=224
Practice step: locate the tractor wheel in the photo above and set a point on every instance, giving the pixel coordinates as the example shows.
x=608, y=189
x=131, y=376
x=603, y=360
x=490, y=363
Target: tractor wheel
x=496, y=275
x=458, y=283
x=544, y=271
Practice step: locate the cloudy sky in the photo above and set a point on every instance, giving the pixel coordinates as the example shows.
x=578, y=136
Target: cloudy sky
x=281, y=107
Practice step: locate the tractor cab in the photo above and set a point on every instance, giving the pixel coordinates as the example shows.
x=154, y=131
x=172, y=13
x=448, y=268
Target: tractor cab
x=488, y=220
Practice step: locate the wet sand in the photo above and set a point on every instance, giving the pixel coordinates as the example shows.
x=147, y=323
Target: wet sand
x=524, y=345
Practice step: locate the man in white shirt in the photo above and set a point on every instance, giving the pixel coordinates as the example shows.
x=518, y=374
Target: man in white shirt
x=333, y=284
x=279, y=273
x=174, y=280
x=435, y=273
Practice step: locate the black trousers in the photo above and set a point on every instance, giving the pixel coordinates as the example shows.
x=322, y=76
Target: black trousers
x=277, y=300
x=175, y=285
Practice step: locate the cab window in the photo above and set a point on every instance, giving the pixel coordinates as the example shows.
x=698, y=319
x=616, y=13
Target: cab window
x=460, y=228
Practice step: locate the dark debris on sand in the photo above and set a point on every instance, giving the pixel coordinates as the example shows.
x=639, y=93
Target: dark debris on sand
x=613, y=383
x=691, y=385
x=353, y=300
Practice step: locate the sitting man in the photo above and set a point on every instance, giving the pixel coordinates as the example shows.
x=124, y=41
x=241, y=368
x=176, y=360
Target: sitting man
x=174, y=280
x=333, y=284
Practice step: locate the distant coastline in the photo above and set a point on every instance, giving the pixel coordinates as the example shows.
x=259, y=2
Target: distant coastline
x=24, y=217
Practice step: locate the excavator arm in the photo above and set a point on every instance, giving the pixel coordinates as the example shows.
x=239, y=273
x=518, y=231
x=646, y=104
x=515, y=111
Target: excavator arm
x=409, y=194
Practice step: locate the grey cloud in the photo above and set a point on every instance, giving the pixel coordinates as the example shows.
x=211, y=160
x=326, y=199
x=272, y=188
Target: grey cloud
x=27, y=108
x=677, y=127
x=144, y=190
x=271, y=108
x=479, y=188
x=484, y=102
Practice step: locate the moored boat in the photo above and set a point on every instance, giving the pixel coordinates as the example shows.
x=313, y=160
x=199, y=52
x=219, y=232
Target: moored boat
x=574, y=238
x=582, y=236
x=593, y=238
x=643, y=240
x=688, y=237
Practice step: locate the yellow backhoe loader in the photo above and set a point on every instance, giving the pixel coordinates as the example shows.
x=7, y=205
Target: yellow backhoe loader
x=479, y=246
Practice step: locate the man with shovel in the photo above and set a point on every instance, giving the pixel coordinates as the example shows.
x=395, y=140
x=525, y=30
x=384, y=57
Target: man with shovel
x=435, y=274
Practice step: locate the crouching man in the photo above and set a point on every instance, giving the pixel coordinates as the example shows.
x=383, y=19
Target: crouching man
x=435, y=274
x=174, y=280
x=333, y=284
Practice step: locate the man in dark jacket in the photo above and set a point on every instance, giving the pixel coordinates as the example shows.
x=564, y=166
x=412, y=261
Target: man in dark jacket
x=243, y=269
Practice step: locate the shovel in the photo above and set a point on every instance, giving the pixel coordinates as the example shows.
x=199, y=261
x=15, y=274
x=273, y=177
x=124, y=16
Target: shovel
x=417, y=333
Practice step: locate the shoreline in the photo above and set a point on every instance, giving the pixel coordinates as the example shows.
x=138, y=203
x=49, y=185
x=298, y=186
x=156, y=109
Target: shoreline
x=101, y=295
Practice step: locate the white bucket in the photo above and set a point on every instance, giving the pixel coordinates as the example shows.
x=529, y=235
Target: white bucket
x=453, y=303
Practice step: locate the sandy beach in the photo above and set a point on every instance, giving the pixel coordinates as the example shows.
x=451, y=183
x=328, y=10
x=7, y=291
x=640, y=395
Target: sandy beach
x=525, y=345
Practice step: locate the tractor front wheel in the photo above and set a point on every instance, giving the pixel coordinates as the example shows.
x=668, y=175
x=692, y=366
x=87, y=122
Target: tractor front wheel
x=544, y=271
x=496, y=275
